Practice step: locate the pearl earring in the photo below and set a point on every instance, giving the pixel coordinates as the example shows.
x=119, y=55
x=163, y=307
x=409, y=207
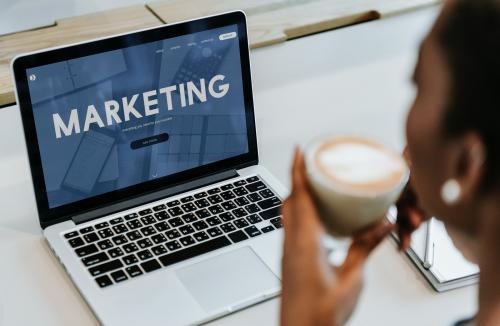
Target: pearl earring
x=451, y=191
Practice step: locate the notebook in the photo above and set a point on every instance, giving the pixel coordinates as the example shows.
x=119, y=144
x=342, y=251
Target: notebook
x=450, y=270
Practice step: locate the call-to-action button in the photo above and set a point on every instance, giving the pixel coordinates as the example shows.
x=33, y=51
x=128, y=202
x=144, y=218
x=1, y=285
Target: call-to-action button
x=227, y=36
x=156, y=139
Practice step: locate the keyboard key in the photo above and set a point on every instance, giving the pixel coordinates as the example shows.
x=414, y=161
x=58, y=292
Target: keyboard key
x=106, y=267
x=115, y=252
x=173, y=203
x=76, y=242
x=276, y=211
x=227, y=227
x=120, y=228
x=200, y=225
x=270, y=202
x=119, y=239
x=175, y=222
x=276, y=222
x=71, y=234
x=215, y=199
x=202, y=213
x=144, y=243
x=254, y=197
x=226, y=217
x=253, y=187
x=252, y=208
x=237, y=236
x=226, y=187
x=162, y=226
x=240, y=191
x=266, y=193
x=227, y=195
x=150, y=265
x=133, y=271
x=172, y=234
x=131, y=216
x=187, y=241
x=134, y=224
x=213, y=191
x=202, y=203
x=186, y=229
x=189, y=218
x=86, y=230
x=91, y=237
x=214, y=232
x=200, y=236
x=173, y=245
x=239, y=212
x=144, y=254
x=240, y=183
x=189, y=207
x=103, y=281
x=254, y=219
x=130, y=259
x=215, y=209
x=159, y=250
x=101, y=225
x=148, y=219
x=119, y=276
x=86, y=250
x=134, y=235
x=241, y=223
x=200, y=195
x=252, y=231
x=159, y=207
x=130, y=247
x=187, y=199
x=194, y=251
x=105, y=233
x=95, y=259
x=268, y=228
x=175, y=211
x=160, y=216
x=148, y=230
x=116, y=221
x=252, y=179
x=214, y=220
x=241, y=201
x=158, y=238
x=105, y=244
x=229, y=205
x=145, y=212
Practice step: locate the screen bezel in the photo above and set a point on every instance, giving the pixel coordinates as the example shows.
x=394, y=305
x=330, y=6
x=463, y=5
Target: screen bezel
x=49, y=216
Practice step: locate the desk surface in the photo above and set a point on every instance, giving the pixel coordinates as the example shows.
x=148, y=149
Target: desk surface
x=354, y=79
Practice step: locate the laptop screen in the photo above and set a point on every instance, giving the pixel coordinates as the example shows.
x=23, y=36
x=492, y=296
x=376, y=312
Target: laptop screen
x=116, y=119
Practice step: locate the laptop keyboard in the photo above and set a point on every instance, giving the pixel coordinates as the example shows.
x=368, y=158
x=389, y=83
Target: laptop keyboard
x=146, y=240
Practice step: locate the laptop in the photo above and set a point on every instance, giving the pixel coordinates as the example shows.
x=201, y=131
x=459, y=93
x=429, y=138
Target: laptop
x=143, y=155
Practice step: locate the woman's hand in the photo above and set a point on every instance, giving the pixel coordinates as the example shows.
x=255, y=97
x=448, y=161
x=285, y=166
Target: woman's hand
x=313, y=291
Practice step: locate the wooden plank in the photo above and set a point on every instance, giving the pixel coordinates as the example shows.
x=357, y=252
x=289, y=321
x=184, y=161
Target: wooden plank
x=66, y=31
x=274, y=21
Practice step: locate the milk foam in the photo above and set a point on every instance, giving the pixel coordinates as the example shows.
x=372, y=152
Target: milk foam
x=359, y=164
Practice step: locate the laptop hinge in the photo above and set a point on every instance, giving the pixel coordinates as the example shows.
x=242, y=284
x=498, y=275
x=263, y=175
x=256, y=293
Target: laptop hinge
x=166, y=192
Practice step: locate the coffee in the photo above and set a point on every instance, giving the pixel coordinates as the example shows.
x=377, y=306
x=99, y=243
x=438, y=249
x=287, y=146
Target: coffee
x=354, y=181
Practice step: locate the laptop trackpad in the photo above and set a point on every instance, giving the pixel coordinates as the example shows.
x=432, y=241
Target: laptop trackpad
x=228, y=279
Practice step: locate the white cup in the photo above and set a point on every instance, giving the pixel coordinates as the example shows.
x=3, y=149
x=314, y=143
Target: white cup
x=346, y=208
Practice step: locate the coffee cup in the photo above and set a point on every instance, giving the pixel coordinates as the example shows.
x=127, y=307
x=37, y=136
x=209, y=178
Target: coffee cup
x=354, y=181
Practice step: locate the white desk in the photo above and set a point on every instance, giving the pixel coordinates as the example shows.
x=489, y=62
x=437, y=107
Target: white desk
x=354, y=79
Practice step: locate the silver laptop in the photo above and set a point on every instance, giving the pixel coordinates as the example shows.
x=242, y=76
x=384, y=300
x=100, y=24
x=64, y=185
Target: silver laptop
x=143, y=155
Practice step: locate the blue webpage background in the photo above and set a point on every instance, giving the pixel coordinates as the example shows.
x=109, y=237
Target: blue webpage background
x=101, y=160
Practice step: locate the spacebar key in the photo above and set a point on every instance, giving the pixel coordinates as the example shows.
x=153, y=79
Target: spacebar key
x=193, y=251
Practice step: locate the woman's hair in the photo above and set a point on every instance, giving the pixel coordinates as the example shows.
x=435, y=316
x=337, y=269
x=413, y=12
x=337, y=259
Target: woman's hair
x=470, y=40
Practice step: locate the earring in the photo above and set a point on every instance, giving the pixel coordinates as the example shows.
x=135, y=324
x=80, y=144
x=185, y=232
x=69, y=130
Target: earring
x=450, y=191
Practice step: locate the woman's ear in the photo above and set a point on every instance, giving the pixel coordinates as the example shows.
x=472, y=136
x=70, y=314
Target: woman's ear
x=471, y=168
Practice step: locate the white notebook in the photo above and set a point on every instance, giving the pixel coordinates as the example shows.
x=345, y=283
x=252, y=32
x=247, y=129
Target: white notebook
x=450, y=269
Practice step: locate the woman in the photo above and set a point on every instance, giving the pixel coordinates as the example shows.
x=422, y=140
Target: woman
x=453, y=135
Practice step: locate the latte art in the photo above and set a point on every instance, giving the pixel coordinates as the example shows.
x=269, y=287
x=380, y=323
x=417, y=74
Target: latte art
x=359, y=165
